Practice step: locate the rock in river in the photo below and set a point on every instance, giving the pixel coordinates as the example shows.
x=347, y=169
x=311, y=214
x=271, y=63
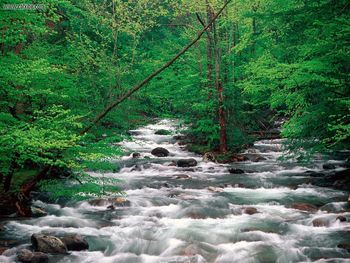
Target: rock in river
x=160, y=152
x=235, y=171
x=75, y=243
x=27, y=256
x=48, y=244
x=186, y=162
x=305, y=207
x=250, y=210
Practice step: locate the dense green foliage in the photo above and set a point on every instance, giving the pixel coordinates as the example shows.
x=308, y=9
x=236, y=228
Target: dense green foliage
x=63, y=64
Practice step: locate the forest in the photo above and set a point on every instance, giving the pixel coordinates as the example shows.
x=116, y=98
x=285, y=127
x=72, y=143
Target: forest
x=212, y=103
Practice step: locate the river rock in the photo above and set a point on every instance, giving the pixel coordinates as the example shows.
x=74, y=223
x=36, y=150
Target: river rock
x=186, y=162
x=136, y=155
x=48, y=244
x=119, y=201
x=341, y=218
x=98, y=202
x=3, y=249
x=38, y=212
x=318, y=222
x=250, y=210
x=328, y=166
x=75, y=243
x=27, y=256
x=215, y=189
x=239, y=158
x=160, y=152
x=344, y=246
x=305, y=207
x=235, y=171
x=255, y=157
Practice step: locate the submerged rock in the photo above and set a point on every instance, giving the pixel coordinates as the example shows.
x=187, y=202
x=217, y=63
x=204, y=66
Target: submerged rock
x=215, y=189
x=328, y=166
x=48, y=244
x=344, y=246
x=305, y=207
x=235, y=171
x=75, y=242
x=318, y=222
x=182, y=176
x=27, y=256
x=160, y=152
x=186, y=162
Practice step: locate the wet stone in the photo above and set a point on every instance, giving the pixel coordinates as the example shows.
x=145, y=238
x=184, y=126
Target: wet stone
x=182, y=176
x=328, y=166
x=304, y=207
x=160, y=152
x=186, y=162
x=75, y=242
x=136, y=155
x=48, y=244
x=235, y=171
x=250, y=210
x=319, y=222
x=341, y=218
x=27, y=256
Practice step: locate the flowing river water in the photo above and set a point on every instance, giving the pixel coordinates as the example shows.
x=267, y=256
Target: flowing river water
x=200, y=214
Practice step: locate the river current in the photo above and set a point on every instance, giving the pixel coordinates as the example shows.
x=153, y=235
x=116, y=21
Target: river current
x=201, y=214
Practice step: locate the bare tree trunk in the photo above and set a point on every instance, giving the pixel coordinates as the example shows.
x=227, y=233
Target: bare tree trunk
x=152, y=75
x=219, y=88
x=209, y=51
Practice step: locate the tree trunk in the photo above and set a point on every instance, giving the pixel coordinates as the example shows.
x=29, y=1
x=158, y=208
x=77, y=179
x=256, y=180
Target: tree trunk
x=11, y=171
x=28, y=187
x=209, y=52
x=219, y=88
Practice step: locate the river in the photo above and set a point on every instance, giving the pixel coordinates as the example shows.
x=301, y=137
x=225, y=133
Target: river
x=200, y=214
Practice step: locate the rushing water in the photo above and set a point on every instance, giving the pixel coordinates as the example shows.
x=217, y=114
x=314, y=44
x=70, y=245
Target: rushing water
x=200, y=219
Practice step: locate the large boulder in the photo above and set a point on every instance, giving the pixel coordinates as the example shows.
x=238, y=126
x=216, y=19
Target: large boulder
x=160, y=152
x=48, y=244
x=27, y=256
x=75, y=243
x=186, y=162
